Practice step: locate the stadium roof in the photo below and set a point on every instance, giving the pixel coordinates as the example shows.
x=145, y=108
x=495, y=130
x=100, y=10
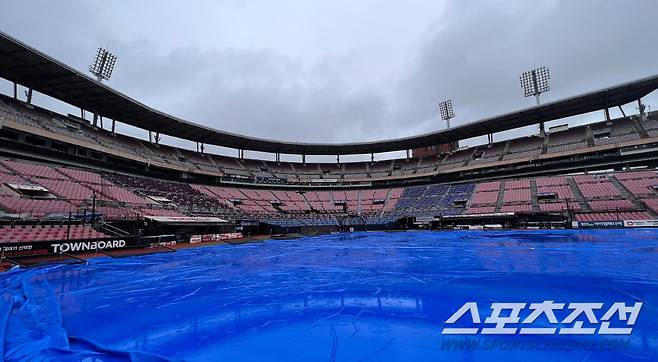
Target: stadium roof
x=29, y=67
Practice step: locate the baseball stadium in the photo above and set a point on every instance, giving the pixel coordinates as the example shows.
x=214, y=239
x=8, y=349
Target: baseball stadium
x=116, y=247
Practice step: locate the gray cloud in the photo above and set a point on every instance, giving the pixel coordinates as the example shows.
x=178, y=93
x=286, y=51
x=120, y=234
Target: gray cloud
x=355, y=85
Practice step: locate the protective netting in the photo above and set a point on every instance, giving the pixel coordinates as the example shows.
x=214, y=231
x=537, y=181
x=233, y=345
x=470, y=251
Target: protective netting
x=347, y=297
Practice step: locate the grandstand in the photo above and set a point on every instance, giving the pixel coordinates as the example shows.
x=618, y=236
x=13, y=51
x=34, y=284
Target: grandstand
x=116, y=247
x=597, y=172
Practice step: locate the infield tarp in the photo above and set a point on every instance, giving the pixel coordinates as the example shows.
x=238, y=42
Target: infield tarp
x=347, y=297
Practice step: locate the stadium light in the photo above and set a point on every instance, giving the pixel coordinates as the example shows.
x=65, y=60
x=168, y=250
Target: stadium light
x=103, y=64
x=446, y=110
x=535, y=82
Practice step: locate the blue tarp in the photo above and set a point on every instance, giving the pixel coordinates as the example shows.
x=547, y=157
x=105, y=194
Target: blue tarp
x=347, y=297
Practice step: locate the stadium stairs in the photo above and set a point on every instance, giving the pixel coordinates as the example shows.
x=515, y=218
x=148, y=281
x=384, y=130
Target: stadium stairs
x=584, y=206
x=639, y=128
x=110, y=229
x=639, y=205
x=501, y=196
x=533, y=196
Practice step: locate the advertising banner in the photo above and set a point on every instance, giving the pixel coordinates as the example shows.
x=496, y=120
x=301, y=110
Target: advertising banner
x=66, y=246
x=640, y=223
x=601, y=224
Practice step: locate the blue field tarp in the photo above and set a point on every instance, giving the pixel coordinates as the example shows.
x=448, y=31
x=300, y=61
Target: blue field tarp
x=345, y=297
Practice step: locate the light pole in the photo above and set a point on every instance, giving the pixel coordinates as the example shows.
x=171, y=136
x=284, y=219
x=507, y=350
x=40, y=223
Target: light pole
x=102, y=68
x=446, y=110
x=535, y=82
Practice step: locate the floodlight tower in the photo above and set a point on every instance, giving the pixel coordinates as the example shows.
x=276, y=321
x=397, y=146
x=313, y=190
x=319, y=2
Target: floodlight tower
x=102, y=68
x=446, y=110
x=535, y=82
x=103, y=65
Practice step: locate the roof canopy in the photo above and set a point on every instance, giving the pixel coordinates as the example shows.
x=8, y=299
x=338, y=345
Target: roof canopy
x=25, y=65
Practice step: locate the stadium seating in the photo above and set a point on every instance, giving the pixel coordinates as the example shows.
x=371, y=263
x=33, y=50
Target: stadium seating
x=621, y=130
x=481, y=210
x=611, y=205
x=596, y=186
x=69, y=190
x=651, y=126
x=652, y=204
x=488, y=153
x=30, y=169
x=613, y=216
x=123, y=197
x=640, y=184
x=517, y=208
x=25, y=233
x=36, y=207
x=456, y=159
x=517, y=196
x=559, y=206
x=485, y=198
x=524, y=147
x=551, y=181
x=519, y=149
x=81, y=175
x=571, y=139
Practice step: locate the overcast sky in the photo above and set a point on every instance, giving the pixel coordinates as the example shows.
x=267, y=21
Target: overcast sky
x=343, y=71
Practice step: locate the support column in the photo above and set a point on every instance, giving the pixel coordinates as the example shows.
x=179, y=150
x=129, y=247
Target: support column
x=28, y=94
x=372, y=158
x=408, y=155
x=641, y=107
x=82, y=113
x=157, y=138
x=606, y=111
x=303, y=159
x=197, y=146
x=101, y=118
x=278, y=157
x=114, y=123
x=15, y=90
x=338, y=159
x=95, y=122
x=203, y=147
x=150, y=137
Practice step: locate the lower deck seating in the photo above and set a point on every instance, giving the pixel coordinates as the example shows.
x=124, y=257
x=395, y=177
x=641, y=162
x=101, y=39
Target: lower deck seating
x=24, y=233
x=613, y=216
x=124, y=197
